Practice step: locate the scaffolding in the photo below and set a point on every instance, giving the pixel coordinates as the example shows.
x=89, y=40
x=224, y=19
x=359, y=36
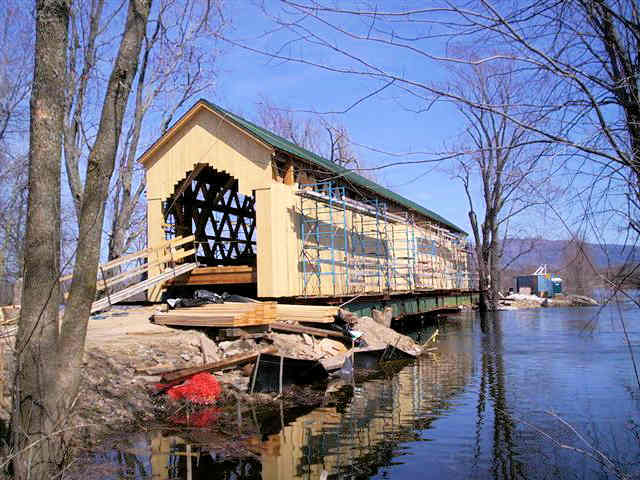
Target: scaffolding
x=348, y=247
x=404, y=254
x=346, y=241
x=374, y=229
x=323, y=228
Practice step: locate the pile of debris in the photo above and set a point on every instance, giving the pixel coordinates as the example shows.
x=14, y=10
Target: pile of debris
x=131, y=363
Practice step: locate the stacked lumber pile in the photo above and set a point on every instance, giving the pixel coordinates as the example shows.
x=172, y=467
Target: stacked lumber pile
x=236, y=314
x=223, y=315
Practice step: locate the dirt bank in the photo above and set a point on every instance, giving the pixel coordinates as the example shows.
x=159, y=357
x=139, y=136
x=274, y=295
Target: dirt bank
x=126, y=353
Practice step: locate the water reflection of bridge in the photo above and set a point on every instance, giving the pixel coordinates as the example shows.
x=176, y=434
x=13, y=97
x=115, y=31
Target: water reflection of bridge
x=381, y=415
x=354, y=437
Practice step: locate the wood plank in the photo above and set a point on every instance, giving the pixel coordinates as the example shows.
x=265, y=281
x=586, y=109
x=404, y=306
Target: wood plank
x=186, y=183
x=196, y=320
x=140, y=287
x=178, y=375
x=223, y=275
x=250, y=331
x=178, y=255
x=318, y=332
x=307, y=313
x=220, y=315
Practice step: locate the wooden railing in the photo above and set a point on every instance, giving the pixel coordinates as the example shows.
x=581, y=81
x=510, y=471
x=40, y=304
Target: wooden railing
x=163, y=261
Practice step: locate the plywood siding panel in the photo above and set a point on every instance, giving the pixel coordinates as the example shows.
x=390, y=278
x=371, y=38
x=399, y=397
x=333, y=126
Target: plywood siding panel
x=277, y=223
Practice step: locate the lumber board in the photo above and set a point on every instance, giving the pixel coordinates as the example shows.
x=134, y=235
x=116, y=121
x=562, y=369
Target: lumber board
x=186, y=183
x=178, y=255
x=319, y=332
x=195, y=321
x=177, y=375
x=220, y=315
x=140, y=287
x=307, y=319
x=251, y=331
x=223, y=275
x=306, y=313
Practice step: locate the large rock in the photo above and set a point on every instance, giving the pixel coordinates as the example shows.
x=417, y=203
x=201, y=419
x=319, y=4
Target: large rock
x=328, y=347
x=210, y=351
x=388, y=316
x=294, y=345
x=236, y=347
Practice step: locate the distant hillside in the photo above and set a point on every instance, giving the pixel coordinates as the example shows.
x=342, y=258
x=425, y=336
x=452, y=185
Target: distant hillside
x=554, y=253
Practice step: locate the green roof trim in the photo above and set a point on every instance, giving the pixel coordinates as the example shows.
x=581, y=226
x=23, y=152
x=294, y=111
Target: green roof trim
x=291, y=148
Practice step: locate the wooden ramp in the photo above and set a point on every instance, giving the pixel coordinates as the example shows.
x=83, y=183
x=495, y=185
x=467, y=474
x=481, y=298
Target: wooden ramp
x=166, y=257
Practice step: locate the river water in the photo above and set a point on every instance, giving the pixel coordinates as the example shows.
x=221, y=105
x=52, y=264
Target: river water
x=528, y=394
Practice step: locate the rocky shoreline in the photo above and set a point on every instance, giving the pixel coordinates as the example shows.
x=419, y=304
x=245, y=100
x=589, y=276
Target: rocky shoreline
x=518, y=301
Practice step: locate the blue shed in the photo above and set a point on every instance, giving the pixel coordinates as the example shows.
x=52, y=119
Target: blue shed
x=540, y=285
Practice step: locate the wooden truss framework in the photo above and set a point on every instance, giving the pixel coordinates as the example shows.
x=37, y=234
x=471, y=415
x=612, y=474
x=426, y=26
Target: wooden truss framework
x=208, y=205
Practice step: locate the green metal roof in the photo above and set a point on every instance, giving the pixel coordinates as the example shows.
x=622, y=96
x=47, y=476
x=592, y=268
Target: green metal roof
x=291, y=148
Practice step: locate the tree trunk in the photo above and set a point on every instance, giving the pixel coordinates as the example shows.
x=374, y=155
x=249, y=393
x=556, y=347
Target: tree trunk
x=99, y=171
x=36, y=413
x=49, y=358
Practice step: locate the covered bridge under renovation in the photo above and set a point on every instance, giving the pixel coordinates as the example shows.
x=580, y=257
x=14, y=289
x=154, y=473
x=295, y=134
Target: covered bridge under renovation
x=274, y=220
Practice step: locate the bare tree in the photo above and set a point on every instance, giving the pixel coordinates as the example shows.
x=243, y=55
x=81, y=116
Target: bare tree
x=16, y=63
x=304, y=132
x=177, y=63
x=581, y=54
x=13, y=210
x=33, y=417
x=504, y=163
x=314, y=133
x=16, y=68
x=577, y=272
x=49, y=355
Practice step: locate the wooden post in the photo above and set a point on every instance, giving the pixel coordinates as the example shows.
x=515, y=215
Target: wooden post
x=281, y=365
x=239, y=414
x=255, y=373
x=104, y=282
x=189, y=467
x=288, y=173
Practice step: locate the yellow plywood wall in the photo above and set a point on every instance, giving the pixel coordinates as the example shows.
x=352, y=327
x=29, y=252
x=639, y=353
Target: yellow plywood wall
x=277, y=223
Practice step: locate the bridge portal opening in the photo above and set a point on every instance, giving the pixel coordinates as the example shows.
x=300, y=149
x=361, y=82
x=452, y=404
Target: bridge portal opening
x=208, y=205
